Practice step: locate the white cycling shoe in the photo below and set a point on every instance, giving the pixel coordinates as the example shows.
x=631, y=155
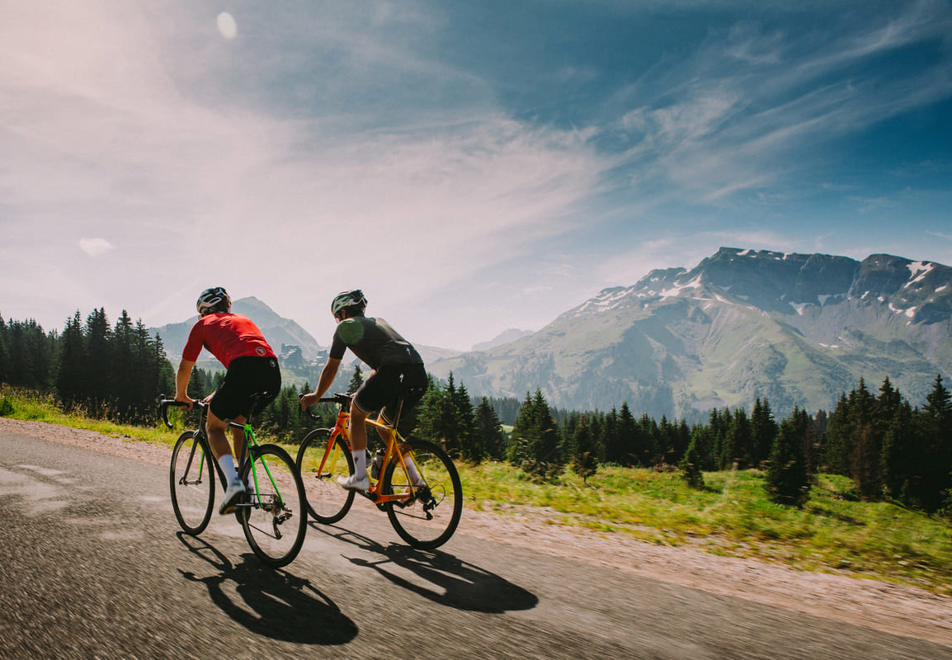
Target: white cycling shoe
x=233, y=495
x=353, y=483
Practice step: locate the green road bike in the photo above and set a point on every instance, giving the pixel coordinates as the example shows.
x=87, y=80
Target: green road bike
x=273, y=513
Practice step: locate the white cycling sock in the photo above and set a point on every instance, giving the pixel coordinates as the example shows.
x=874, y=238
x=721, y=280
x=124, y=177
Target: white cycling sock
x=360, y=463
x=227, y=463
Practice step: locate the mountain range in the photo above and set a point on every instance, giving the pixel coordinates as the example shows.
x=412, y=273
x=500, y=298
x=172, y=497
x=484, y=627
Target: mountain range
x=796, y=329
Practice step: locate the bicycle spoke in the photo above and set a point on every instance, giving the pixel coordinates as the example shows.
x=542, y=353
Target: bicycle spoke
x=273, y=515
x=430, y=483
x=327, y=502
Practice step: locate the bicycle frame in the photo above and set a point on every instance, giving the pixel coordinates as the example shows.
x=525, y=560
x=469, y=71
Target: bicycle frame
x=393, y=452
x=250, y=442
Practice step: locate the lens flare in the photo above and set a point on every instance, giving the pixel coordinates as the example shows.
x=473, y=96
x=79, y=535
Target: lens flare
x=227, y=25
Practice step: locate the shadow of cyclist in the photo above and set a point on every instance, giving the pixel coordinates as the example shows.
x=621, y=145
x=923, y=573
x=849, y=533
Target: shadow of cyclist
x=449, y=580
x=279, y=605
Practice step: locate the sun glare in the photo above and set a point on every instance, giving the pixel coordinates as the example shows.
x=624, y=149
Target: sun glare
x=227, y=25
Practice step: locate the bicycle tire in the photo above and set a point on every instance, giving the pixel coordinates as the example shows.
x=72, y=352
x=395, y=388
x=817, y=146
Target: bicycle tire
x=192, y=481
x=327, y=502
x=274, y=516
x=424, y=521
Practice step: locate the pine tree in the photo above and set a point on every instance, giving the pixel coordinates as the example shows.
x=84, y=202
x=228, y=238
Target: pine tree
x=4, y=352
x=899, y=455
x=445, y=418
x=534, y=444
x=703, y=440
x=122, y=381
x=489, y=430
x=763, y=432
x=936, y=456
x=356, y=380
x=736, y=448
x=690, y=463
x=584, y=462
x=632, y=446
x=866, y=462
x=31, y=355
x=837, y=443
x=98, y=360
x=614, y=450
x=71, y=372
x=787, y=479
x=464, y=421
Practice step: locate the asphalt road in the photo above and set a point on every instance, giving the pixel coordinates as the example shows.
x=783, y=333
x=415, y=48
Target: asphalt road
x=92, y=564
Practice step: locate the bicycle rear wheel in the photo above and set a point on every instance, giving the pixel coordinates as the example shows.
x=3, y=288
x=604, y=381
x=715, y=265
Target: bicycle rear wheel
x=192, y=483
x=327, y=502
x=431, y=512
x=273, y=516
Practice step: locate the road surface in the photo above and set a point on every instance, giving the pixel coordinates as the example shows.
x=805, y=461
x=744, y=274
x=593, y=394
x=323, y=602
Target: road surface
x=92, y=564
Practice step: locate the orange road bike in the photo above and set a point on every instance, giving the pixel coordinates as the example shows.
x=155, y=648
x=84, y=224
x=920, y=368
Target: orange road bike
x=272, y=513
x=414, y=481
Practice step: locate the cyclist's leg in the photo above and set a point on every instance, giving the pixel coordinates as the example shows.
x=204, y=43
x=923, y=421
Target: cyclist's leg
x=227, y=404
x=358, y=446
x=215, y=427
x=217, y=439
x=376, y=393
x=239, y=445
x=370, y=397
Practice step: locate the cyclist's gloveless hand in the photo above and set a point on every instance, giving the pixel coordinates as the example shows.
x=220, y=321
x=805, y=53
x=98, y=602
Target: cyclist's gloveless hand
x=186, y=400
x=308, y=400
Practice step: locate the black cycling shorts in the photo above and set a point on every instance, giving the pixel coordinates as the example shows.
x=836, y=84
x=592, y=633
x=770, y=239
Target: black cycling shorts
x=246, y=377
x=384, y=388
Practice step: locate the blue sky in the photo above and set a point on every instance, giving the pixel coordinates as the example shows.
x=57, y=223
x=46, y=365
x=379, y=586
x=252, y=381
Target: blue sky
x=472, y=166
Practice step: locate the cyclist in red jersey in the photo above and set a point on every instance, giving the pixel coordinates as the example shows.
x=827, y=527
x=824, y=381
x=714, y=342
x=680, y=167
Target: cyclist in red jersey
x=252, y=369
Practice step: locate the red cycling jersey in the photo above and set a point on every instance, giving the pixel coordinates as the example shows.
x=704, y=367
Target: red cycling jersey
x=226, y=336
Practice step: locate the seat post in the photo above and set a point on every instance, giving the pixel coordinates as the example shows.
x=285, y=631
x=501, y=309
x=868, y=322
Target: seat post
x=396, y=418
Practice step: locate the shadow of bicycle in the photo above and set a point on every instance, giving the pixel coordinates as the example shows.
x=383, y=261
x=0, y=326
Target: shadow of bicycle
x=269, y=602
x=445, y=579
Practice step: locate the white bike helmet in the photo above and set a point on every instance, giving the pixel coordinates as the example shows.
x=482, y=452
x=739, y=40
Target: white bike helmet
x=213, y=300
x=348, y=301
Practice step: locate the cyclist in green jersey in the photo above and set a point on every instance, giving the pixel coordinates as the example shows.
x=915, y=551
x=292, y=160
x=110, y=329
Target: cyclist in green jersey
x=397, y=371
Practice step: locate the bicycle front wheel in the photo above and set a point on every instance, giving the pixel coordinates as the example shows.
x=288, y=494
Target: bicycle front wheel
x=320, y=464
x=192, y=483
x=433, y=503
x=273, y=516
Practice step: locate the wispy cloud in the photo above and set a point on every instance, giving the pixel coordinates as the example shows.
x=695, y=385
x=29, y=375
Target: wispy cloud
x=766, y=93
x=292, y=153
x=95, y=247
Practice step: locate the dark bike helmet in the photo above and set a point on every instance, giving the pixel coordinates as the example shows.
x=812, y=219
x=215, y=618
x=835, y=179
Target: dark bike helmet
x=351, y=302
x=213, y=300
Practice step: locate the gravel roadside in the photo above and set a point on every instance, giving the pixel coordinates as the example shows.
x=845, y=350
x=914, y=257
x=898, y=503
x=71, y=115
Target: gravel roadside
x=889, y=608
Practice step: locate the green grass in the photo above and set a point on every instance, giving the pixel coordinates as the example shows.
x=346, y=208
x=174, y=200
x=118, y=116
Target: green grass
x=32, y=406
x=731, y=516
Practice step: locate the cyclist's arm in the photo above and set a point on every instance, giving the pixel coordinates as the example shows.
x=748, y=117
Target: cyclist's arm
x=323, y=384
x=182, y=377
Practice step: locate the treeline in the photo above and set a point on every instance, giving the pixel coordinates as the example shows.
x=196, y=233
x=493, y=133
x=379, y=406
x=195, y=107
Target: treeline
x=111, y=371
x=889, y=448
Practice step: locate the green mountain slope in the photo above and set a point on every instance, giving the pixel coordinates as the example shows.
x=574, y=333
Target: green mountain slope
x=796, y=329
